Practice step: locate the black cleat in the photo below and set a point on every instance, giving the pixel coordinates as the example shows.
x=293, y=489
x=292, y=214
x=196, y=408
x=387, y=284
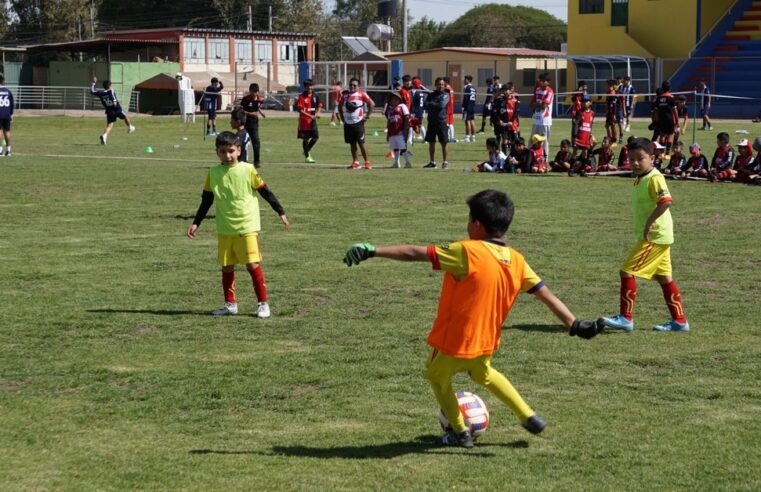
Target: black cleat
x=462, y=439
x=535, y=424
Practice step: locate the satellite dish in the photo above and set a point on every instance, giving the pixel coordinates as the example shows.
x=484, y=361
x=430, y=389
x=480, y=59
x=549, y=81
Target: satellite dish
x=380, y=32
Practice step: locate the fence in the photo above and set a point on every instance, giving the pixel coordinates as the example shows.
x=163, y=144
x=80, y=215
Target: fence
x=62, y=98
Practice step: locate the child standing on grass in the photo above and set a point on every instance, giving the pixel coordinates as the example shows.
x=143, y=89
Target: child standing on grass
x=6, y=115
x=482, y=280
x=234, y=186
x=112, y=106
x=651, y=256
x=238, y=121
x=397, y=127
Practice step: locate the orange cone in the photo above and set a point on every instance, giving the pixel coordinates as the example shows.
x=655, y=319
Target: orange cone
x=390, y=154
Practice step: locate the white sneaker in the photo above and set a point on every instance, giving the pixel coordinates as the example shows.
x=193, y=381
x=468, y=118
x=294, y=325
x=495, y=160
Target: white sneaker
x=130, y=129
x=263, y=310
x=226, y=310
x=103, y=139
x=445, y=165
x=628, y=128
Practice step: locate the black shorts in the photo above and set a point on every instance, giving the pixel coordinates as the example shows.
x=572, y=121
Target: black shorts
x=212, y=113
x=665, y=127
x=113, y=114
x=5, y=124
x=354, y=133
x=486, y=110
x=438, y=131
x=469, y=115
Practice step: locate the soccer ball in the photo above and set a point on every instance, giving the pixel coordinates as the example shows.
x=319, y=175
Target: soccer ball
x=473, y=410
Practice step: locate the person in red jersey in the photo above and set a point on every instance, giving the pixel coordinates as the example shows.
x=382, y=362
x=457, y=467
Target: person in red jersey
x=723, y=159
x=563, y=158
x=308, y=105
x=623, y=156
x=744, y=162
x=450, y=110
x=696, y=165
x=577, y=105
x=352, y=111
x=537, y=158
x=677, y=161
x=335, y=101
x=397, y=128
x=602, y=158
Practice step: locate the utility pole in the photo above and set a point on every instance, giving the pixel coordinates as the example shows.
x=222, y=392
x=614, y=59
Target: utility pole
x=404, y=25
x=250, y=18
x=269, y=10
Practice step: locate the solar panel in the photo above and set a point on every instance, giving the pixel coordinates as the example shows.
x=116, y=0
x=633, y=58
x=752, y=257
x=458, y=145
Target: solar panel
x=359, y=44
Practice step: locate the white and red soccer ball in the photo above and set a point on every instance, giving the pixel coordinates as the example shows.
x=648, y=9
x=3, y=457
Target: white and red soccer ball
x=473, y=410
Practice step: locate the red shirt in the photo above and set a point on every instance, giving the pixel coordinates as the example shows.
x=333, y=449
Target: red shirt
x=406, y=97
x=584, y=121
x=396, y=118
x=450, y=107
x=310, y=104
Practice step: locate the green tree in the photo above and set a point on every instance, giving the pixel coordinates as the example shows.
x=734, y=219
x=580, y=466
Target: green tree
x=423, y=34
x=37, y=21
x=495, y=25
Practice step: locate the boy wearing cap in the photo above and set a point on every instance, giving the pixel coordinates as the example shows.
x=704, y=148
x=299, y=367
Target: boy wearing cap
x=650, y=258
x=537, y=157
x=696, y=165
x=744, y=162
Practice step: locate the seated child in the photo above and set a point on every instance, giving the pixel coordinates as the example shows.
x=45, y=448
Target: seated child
x=658, y=149
x=603, y=157
x=723, y=158
x=697, y=164
x=745, y=163
x=677, y=161
x=537, y=157
x=496, y=161
x=623, y=156
x=563, y=158
x=517, y=161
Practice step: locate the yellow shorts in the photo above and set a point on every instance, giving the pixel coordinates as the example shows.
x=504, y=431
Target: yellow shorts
x=647, y=260
x=238, y=250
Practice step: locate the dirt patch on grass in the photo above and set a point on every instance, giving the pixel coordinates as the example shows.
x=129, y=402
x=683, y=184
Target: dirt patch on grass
x=14, y=385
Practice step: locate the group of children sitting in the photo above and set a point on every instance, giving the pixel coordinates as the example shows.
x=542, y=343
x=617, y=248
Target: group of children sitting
x=585, y=157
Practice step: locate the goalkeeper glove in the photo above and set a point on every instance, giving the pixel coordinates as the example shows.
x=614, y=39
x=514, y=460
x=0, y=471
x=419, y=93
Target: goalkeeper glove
x=359, y=252
x=586, y=328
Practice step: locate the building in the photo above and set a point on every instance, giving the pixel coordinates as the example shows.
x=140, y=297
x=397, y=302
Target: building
x=517, y=65
x=685, y=41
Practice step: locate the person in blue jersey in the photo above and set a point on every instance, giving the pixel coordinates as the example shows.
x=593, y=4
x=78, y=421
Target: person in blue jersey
x=113, y=109
x=469, y=109
x=417, y=107
x=6, y=116
x=209, y=102
x=238, y=122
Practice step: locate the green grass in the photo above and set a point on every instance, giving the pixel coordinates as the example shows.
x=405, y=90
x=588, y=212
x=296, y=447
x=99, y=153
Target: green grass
x=113, y=376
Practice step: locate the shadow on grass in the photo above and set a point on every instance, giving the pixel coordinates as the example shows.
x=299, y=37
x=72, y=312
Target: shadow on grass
x=542, y=328
x=426, y=444
x=160, y=312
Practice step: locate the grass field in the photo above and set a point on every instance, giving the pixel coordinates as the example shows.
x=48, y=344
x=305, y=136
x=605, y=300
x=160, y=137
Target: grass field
x=113, y=376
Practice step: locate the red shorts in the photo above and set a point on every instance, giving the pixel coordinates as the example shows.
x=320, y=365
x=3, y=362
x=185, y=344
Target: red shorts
x=583, y=140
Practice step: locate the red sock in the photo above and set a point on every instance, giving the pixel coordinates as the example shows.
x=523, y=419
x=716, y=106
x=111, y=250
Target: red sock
x=260, y=287
x=628, y=294
x=228, y=286
x=674, y=301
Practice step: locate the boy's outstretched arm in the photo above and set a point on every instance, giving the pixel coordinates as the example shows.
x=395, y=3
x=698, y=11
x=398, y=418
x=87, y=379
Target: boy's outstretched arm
x=583, y=328
x=360, y=252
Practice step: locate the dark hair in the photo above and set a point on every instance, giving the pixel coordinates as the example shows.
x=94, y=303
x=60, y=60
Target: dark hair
x=544, y=76
x=214, y=80
x=581, y=83
x=436, y=82
x=308, y=82
x=495, y=77
x=239, y=115
x=681, y=97
x=354, y=79
x=565, y=141
x=488, y=81
x=106, y=84
x=406, y=78
x=254, y=87
x=493, y=209
x=337, y=82
x=666, y=86
x=469, y=78
x=520, y=141
x=227, y=138
x=2, y=78
x=723, y=136
x=491, y=142
x=446, y=79
x=642, y=143
x=627, y=78
x=611, y=82
x=678, y=143
x=508, y=85
x=631, y=139
x=606, y=139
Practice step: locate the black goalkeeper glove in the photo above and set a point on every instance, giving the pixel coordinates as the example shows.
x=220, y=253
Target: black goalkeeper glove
x=586, y=328
x=359, y=252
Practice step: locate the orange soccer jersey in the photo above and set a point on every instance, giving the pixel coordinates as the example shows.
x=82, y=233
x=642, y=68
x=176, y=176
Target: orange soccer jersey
x=482, y=280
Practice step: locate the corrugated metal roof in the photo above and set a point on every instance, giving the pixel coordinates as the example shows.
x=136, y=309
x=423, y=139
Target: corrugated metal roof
x=484, y=51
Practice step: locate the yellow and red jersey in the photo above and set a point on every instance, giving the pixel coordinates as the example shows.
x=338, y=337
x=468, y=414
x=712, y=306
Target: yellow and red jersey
x=650, y=190
x=482, y=281
x=234, y=187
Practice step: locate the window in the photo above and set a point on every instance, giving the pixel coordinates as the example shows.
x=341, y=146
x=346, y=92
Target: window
x=619, y=13
x=529, y=77
x=291, y=51
x=483, y=74
x=243, y=51
x=591, y=6
x=195, y=50
x=264, y=50
x=219, y=51
x=426, y=76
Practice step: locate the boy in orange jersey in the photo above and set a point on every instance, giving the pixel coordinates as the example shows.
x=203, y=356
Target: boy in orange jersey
x=483, y=278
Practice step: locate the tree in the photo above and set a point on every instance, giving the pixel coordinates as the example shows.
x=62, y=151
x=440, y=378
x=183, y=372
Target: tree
x=37, y=21
x=423, y=34
x=495, y=25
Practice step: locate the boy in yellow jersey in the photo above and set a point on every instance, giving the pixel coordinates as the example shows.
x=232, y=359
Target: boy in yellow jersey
x=483, y=278
x=651, y=256
x=234, y=186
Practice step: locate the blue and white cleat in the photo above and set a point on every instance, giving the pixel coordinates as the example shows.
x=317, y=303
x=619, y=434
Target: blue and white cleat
x=672, y=325
x=619, y=322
